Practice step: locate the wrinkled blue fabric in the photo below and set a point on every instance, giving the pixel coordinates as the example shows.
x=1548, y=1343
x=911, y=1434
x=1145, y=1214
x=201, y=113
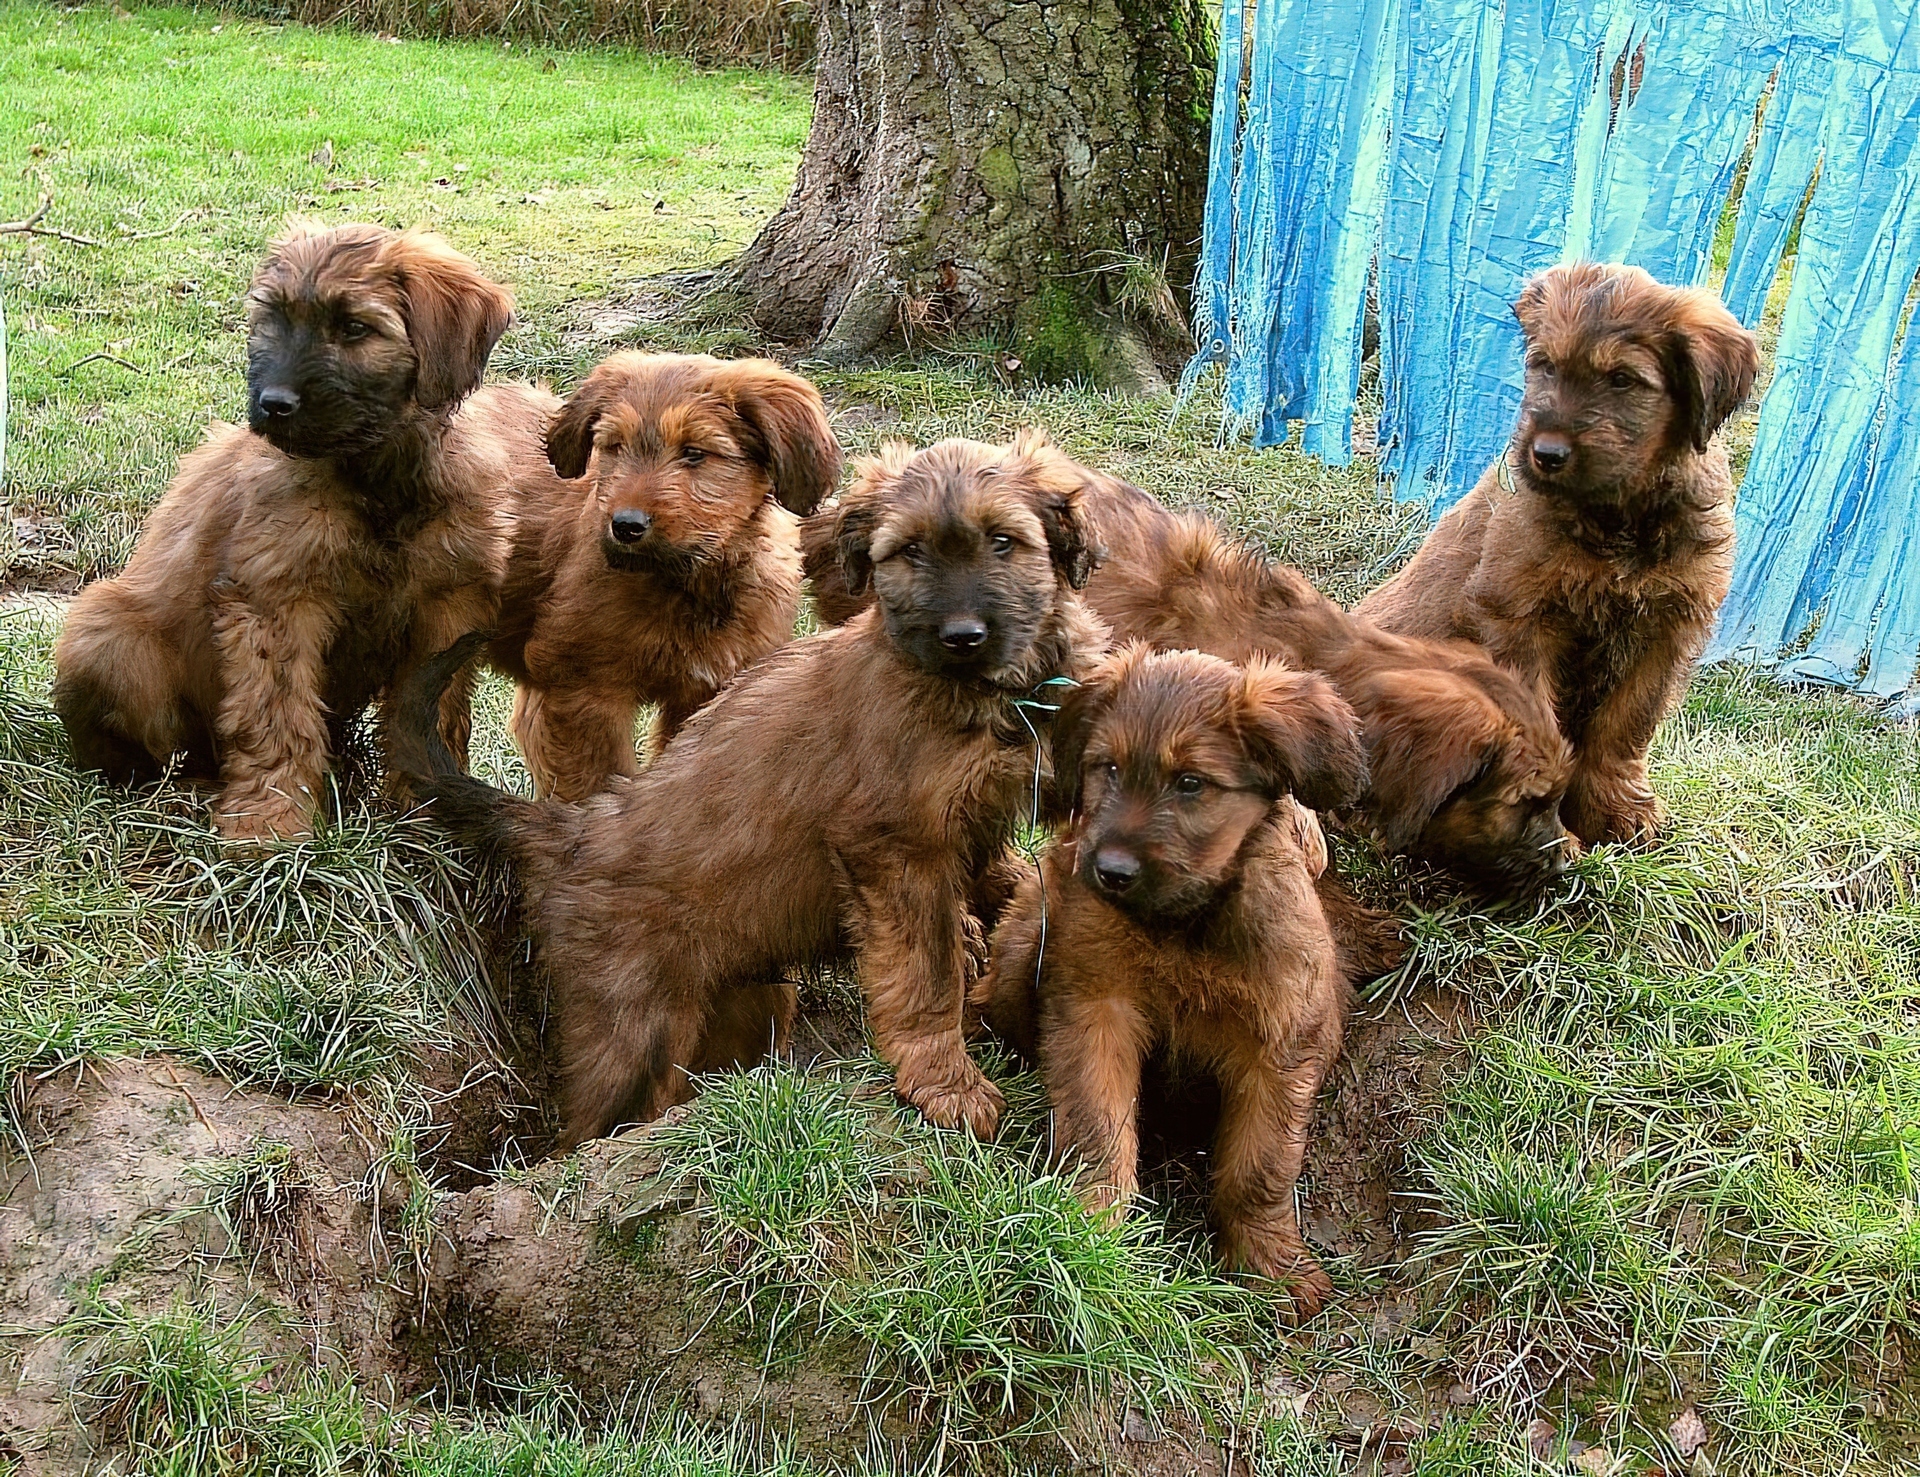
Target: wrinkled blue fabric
x=1493, y=103
x=1291, y=216
x=1826, y=509
x=1452, y=148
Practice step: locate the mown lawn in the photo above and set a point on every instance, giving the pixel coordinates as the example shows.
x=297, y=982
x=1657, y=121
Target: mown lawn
x=1673, y=1163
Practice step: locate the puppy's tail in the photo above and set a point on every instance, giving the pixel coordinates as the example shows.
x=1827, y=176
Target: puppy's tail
x=523, y=835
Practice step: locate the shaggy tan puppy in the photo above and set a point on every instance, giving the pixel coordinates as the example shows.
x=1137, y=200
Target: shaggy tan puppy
x=661, y=559
x=1177, y=913
x=297, y=566
x=847, y=789
x=1593, y=556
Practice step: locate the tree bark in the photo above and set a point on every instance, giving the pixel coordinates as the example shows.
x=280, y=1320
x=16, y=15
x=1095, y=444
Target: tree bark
x=1021, y=174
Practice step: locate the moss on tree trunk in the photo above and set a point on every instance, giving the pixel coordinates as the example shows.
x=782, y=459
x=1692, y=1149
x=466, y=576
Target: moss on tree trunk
x=1023, y=174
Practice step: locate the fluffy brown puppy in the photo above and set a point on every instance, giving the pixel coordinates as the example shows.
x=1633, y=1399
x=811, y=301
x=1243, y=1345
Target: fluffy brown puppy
x=672, y=565
x=1468, y=765
x=297, y=566
x=848, y=787
x=1178, y=912
x=1593, y=556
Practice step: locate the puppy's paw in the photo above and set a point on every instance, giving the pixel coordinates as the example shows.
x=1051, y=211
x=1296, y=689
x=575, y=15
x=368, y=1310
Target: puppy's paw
x=1104, y=1198
x=260, y=822
x=973, y=951
x=1613, y=804
x=1281, y=1258
x=953, y=1096
x=1642, y=818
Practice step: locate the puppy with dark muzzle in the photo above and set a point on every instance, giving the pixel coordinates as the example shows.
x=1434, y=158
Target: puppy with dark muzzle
x=847, y=789
x=1177, y=913
x=658, y=556
x=1592, y=557
x=1468, y=764
x=296, y=567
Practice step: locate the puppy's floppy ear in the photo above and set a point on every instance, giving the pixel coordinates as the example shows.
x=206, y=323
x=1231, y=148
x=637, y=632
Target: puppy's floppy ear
x=454, y=315
x=859, y=512
x=570, y=432
x=1428, y=734
x=1533, y=298
x=833, y=602
x=1080, y=710
x=1300, y=734
x=1059, y=486
x=1710, y=363
x=787, y=431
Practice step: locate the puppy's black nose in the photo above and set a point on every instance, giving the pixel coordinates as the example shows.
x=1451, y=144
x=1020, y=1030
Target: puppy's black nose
x=630, y=525
x=278, y=401
x=1115, y=869
x=1551, y=451
x=963, y=633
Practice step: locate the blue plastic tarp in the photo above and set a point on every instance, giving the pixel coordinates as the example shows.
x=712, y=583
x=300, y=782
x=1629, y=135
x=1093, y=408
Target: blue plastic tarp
x=1442, y=151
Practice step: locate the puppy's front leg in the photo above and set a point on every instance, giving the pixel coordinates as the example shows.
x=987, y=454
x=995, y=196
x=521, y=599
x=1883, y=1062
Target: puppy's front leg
x=1091, y=1050
x=437, y=624
x=909, y=931
x=1266, y=1106
x=1610, y=797
x=271, y=724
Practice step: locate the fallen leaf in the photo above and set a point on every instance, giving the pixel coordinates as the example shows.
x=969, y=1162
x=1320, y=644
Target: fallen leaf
x=1429, y=1348
x=1540, y=1434
x=1596, y=1461
x=1688, y=1433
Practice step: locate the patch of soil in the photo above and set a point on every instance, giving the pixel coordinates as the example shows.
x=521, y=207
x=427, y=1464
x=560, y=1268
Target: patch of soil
x=590, y=1272
x=1390, y=1070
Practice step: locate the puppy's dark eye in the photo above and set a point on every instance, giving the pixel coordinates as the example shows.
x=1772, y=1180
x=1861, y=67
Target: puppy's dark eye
x=693, y=456
x=1109, y=771
x=354, y=328
x=1620, y=379
x=1002, y=544
x=1189, y=784
x=912, y=553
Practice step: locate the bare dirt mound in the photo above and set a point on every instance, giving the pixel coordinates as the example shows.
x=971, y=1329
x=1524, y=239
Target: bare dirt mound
x=150, y=1184
x=589, y=1271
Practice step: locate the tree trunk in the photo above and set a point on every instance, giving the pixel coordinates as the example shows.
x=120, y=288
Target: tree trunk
x=1026, y=174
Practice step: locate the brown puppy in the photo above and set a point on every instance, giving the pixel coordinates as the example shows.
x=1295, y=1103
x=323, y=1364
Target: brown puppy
x=848, y=787
x=1468, y=766
x=295, y=568
x=1593, y=556
x=1178, y=912
x=676, y=564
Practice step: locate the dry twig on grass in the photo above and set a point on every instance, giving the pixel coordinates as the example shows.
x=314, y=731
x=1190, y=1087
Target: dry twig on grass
x=30, y=226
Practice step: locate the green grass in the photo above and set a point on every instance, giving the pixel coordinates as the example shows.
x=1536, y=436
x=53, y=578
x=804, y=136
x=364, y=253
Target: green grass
x=181, y=143
x=1675, y=1161
x=982, y=1286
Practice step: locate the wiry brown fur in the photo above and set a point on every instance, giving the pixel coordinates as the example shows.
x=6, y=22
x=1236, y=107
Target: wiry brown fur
x=1598, y=577
x=1468, y=765
x=294, y=570
x=703, y=464
x=1178, y=913
x=848, y=787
